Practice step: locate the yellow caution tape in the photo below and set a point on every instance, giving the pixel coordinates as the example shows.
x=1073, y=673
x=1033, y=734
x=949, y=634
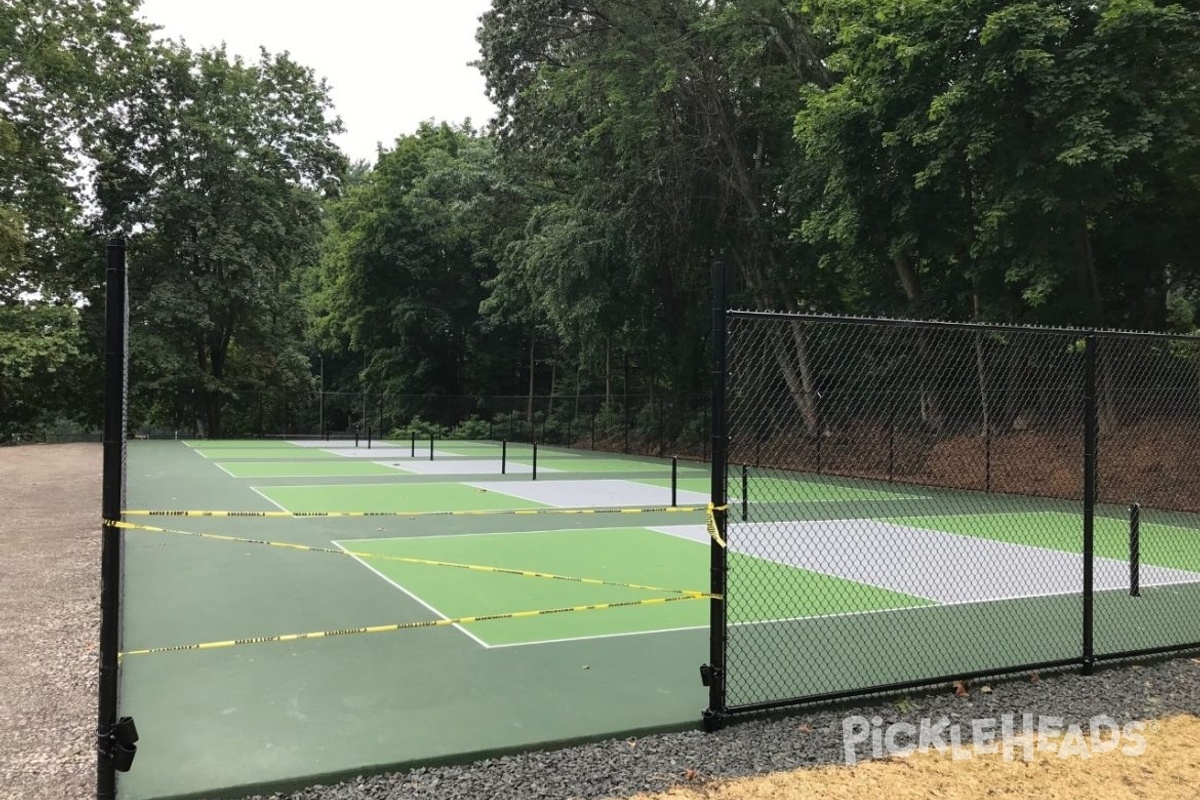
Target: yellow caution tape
x=402, y=626
x=478, y=513
x=713, y=529
x=404, y=559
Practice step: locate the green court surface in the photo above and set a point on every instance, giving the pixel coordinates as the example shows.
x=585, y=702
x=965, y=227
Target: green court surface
x=347, y=468
x=662, y=561
x=1160, y=545
x=241, y=444
x=266, y=715
x=392, y=497
x=260, y=453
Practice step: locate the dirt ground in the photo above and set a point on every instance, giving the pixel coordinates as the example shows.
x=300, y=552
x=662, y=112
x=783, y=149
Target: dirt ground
x=1169, y=769
x=49, y=621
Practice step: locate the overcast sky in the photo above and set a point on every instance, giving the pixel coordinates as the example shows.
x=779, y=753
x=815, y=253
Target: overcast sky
x=390, y=63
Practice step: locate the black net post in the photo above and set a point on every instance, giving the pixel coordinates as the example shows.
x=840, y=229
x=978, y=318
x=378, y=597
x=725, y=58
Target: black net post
x=504, y=456
x=1089, y=503
x=674, y=481
x=535, y=461
x=1135, y=558
x=114, y=737
x=713, y=673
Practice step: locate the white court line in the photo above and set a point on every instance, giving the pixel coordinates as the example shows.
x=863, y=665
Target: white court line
x=269, y=500
x=217, y=464
x=462, y=629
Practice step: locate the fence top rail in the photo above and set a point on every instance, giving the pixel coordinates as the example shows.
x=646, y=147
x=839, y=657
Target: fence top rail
x=895, y=322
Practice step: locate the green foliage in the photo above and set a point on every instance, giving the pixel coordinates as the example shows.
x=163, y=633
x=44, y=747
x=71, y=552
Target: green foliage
x=40, y=346
x=397, y=294
x=221, y=164
x=471, y=428
x=1035, y=161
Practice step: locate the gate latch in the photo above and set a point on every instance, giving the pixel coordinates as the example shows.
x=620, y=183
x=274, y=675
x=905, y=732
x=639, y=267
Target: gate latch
x=708, y=674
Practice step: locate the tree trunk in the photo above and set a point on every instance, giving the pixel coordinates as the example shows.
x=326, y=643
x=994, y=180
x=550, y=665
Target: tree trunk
x=929, y=399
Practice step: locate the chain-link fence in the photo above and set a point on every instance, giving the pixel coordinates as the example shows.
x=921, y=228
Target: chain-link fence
x=912, y=503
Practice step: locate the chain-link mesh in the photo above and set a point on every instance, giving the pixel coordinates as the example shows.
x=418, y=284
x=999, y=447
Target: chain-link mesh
x=904, y=503
x=1147, y=525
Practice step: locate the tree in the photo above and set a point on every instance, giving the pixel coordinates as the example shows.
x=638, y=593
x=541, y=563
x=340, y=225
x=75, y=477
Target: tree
x=1029, y=161
x=220, y=166
x=402, y=276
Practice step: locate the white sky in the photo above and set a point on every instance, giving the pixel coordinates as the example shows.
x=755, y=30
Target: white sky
x=390, y=64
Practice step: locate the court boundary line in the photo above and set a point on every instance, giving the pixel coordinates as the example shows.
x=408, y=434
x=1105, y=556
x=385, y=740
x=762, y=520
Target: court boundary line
x=217, y=464
x=269, y=500
x=413, y=596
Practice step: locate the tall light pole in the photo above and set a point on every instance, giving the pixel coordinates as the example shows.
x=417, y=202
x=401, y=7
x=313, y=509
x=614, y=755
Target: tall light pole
x=321, y=400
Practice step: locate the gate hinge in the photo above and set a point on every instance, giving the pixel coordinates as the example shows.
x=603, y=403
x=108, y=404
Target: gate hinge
x=117, y=742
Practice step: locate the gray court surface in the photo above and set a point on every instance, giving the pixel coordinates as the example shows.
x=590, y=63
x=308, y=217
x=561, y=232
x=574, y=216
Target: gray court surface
x=473, y=466
x=942, y=567
x=378, y=453
x=327, y=444
x=588, y=494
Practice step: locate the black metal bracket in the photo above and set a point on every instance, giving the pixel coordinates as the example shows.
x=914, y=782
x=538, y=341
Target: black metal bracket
x=118, y=743
x=712, y=721
x=708, y=674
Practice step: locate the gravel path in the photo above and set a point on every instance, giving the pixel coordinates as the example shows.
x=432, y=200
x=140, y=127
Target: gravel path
x=48, y=627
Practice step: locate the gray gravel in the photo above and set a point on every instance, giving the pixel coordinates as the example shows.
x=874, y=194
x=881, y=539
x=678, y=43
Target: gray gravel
x=618, y=768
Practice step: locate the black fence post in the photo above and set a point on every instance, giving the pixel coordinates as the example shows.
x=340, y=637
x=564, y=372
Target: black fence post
x=987, y=457
x=413, y=434
x=503, y=456
x=891, y=448
x=1135, y=550
x=535, y=461
x=1089, y=503
x=713, y=673
x=114, y=738
x=431, y=445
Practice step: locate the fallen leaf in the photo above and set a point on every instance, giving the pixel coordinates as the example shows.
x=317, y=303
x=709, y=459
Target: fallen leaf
x=960, y=689
x=985, y=690
x=689, y=774
x=804, y=728
x=1034, y=678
